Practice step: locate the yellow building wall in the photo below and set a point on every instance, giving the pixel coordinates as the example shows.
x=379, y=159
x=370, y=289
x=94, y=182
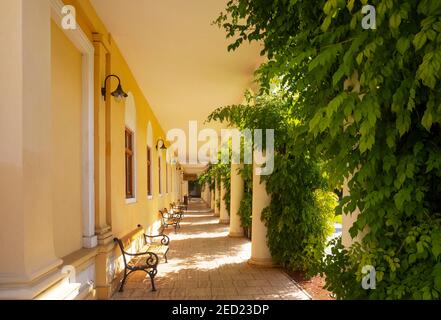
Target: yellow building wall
x=125, y=217
x=66, y=134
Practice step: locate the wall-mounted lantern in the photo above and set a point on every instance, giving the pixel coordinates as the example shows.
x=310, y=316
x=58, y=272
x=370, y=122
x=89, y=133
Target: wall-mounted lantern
x=119, y=93
x=160, y=144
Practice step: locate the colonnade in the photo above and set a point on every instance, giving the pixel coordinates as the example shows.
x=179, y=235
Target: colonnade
x=260, y=253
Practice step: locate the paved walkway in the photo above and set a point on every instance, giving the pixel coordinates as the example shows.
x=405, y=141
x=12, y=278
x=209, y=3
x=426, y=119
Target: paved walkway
x=204, y=263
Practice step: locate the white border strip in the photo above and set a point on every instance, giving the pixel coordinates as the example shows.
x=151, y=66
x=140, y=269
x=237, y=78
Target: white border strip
x=83, y=44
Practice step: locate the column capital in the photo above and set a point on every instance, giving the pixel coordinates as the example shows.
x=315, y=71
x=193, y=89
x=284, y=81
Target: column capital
x=99, y=38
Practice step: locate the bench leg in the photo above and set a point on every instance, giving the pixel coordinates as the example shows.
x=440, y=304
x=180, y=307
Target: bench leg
x=121, y=288
x=152, y=277
x=165, y=257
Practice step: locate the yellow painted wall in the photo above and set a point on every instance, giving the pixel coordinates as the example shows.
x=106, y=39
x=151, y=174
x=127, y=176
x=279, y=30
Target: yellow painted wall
x=125, y=217
x=66, y=135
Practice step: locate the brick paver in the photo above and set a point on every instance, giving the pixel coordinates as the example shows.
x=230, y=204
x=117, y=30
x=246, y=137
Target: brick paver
x=204, y=263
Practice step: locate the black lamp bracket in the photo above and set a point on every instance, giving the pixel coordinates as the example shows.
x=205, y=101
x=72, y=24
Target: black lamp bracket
x=103, y=89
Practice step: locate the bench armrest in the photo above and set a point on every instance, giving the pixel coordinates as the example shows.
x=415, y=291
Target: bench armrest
x=164, y=241
x=152, y=259
x=177, y=215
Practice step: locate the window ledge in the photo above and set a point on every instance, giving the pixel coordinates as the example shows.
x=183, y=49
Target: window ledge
x=131, y=200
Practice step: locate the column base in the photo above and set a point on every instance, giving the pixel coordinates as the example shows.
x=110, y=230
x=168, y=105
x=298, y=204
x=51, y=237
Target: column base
x=105, y=238
x=236, y=234
x=33, y=288
x=262, y=262
x=105, y=266
x=224, y=221
x=104, y=292
x=216, y=214
x=90, y=242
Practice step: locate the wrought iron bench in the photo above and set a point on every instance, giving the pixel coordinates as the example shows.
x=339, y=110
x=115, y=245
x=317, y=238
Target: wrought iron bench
x=168, y=219
x=177, y=215
x=158, y=248
x=178, y=206
x=142, y=261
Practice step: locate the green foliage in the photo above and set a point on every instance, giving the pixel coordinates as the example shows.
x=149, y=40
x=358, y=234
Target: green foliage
x=218, y=172
x=299, y=221
x=369, y=105
x=299, y=218
x=246, y=209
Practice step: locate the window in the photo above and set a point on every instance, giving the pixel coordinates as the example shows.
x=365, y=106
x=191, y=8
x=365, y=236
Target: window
x=129, y=164
x=166, y=179
x=160, y=175
x=149, y=172
x=170, y=177
x=130, y=148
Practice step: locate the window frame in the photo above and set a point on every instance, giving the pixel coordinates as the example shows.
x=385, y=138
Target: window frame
x=149, y=173
x=129, y=147
x=167, y=182
x=160, y=175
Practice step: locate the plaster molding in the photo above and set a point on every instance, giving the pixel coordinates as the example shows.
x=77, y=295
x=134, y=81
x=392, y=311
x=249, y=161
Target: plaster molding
x=84, y=45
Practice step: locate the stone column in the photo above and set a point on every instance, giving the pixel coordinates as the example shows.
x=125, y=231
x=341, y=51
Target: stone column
x=224, y=218
x=175, y=185
x=28, y=264
x=216, y=199
x=348, y=220
x=237, y=190
x=206, y=194
x=102, y=126
x=213, y=199
x=260, y=253
x=102, y=169
x=185, y=188
x=181, y=194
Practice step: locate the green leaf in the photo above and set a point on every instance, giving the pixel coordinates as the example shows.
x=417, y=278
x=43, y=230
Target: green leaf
x=334, y=104
x=326, y=23
x=419, y=40
x=359, y=58
x=436, y=244
x=427, y=119
x=395, y=20
x=350, y=5
x=403, y=44
x=436, y=273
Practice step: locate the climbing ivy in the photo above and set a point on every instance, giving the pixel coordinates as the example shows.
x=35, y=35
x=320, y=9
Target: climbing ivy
x=245, y=209
x=218, y=172
x=299, y=217
x=369, y=105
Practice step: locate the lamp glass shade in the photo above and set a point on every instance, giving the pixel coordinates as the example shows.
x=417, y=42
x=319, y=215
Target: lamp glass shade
x=119, y=93
x=160, y=145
